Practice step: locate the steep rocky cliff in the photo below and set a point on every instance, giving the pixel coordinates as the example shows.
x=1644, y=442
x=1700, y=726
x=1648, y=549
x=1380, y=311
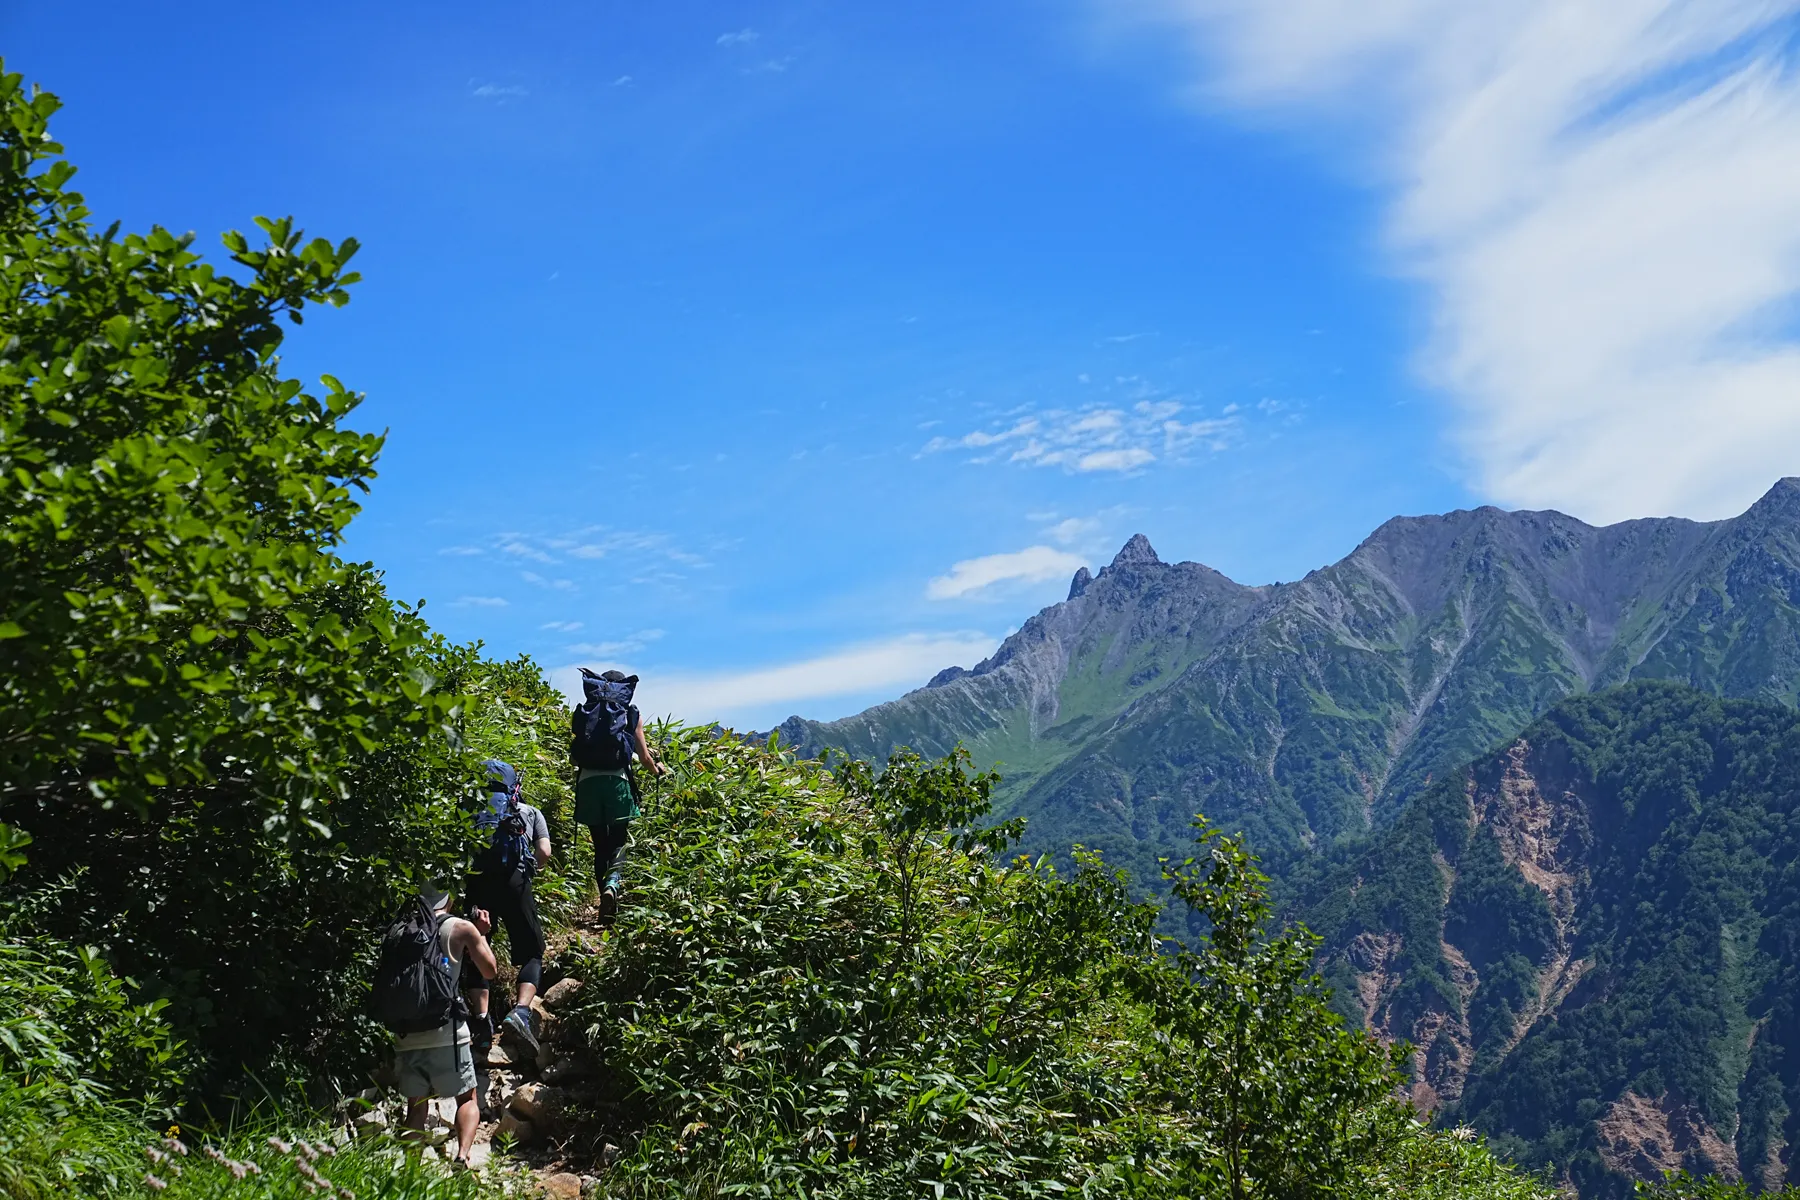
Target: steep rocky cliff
x=1588, y=936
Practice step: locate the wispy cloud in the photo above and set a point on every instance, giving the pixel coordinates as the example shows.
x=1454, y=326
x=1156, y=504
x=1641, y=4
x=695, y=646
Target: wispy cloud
x=1600, y=198
x=1071, y=530
x=590, y=543
x=1034, y=564
x=1121, y=439
x=479, y=602
x=515, y=548
x=495, y=91
x=872, y=667
x=739, y=37
x=561, y=626
x=627, y=645
x=536, y=580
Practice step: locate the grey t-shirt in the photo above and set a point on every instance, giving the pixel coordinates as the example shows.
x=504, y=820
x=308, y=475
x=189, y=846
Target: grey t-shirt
x=536, y=828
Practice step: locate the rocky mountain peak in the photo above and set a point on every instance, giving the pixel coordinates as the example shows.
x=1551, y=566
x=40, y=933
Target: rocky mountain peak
x=1136, y=553
x=1080, y=583
x=1781, y=500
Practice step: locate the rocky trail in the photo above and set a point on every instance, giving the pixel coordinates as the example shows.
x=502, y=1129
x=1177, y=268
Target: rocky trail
x=543, y=1113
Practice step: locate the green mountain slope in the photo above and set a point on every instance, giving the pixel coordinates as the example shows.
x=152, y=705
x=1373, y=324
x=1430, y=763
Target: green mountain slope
x=1308, y=713
x=1590, y=935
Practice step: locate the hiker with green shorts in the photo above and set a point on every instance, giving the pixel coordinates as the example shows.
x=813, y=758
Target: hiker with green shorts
x=607, y=731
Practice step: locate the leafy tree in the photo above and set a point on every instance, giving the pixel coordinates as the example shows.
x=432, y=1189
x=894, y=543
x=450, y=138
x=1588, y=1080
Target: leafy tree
x=171, y=617
x=1284, y=1083
x=235, y=745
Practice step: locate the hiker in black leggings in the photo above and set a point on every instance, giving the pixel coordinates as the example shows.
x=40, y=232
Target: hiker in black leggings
x=503, y=891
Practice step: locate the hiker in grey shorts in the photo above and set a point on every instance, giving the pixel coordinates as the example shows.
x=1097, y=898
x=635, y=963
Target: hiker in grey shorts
x=440, y=1062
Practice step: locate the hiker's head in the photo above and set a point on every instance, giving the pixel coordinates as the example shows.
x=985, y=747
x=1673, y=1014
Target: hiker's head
x=436, y=898
x=613, y=676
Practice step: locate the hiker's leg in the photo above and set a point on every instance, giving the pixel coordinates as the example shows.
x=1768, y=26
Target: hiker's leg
x=610, y=840
x=525, y=937
x=468, y=1116
x=415, y=1117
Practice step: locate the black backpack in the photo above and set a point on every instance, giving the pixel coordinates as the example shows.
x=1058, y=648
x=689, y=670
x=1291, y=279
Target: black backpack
x=601, y=727
x=415, y=987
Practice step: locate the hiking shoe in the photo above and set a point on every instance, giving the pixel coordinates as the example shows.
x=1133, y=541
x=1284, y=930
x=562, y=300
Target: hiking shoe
x=518, y=1021
x=609, y=901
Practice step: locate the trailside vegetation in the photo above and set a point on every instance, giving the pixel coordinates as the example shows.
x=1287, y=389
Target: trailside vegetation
x=836, y=981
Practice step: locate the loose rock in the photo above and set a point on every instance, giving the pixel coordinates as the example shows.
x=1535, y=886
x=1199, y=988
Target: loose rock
x=536, y=1103
x=560, y=993
x=564, y=1185
x=516, y=1127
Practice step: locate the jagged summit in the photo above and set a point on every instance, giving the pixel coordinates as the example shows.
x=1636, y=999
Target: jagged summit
x=1136, y=552
x=1080, y=583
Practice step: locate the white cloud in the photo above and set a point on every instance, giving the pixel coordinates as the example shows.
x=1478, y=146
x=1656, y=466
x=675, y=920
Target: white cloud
x=561, y=626
x=1074, y=529
x=627, y=645
x=479, y=602
x=1099, y=438
x=1114, y=460
x=494, y=91
x=560, y=585
x=1602, y=199
x=1034, y=564
x=462, y=551
x=740, y=37
x=882, y=666
x=520, y=549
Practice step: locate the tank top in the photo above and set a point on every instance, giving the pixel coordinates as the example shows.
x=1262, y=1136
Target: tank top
x=455, y=1031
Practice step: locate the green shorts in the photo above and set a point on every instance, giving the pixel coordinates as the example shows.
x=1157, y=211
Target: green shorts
x=603, y=799
x=435, y=1071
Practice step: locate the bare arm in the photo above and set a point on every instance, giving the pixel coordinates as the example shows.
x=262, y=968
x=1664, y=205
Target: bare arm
x=542, y=850
x=475, y=948
x=643, y=748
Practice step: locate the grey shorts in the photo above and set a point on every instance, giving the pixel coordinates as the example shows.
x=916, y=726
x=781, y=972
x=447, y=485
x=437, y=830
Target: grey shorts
x=437, y=1071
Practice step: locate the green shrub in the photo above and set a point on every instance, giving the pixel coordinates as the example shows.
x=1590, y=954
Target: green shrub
x=833, y=983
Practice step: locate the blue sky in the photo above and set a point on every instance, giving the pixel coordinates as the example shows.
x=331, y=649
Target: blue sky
x=786, y=353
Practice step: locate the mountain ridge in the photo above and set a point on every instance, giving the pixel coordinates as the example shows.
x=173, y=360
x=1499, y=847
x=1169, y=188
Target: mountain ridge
x=1307, y=712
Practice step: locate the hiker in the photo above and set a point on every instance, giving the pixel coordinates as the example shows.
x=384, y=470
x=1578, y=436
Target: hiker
x=500, y=889
x=606, y=730
x=421, y=960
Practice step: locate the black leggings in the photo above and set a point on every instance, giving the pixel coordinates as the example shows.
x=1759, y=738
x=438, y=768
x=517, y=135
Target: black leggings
x=610, y=840
x=509, y=902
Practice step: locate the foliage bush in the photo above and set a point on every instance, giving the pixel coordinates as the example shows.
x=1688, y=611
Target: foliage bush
x=247, y=750
x=832, y=982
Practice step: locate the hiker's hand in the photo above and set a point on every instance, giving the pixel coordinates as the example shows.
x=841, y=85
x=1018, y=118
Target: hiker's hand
x=478, y=917
x=658, y=768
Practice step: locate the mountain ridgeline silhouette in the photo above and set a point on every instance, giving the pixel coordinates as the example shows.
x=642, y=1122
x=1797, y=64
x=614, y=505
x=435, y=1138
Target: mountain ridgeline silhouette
x=1308, y=713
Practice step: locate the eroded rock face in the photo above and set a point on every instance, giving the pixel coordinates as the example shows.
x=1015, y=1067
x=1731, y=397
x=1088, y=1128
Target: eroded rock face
x=1645, y=1138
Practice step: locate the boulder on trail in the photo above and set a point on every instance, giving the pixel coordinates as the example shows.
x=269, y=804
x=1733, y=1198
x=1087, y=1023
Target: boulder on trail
x=560, y=993
x=564, y=1185
x=516, y=1127
x=536, y=1103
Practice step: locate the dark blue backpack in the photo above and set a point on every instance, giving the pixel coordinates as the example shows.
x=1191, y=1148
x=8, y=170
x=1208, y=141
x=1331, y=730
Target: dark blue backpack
x=601, y=727
x=509, y=841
